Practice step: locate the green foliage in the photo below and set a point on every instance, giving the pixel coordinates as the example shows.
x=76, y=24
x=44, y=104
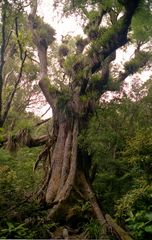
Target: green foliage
x=139, y=197
x=1, y=133
x=31, y=70
x=141, y=25
x=44, y=30
x=62, y=102
x=22, y=164
x=106, y=35
x=92, y=15
x=141, y=224
x=8, y=180
x=139, y=151
x=139, y=61
x=17, y=177
x=93, y=229
x=84, y=99
x=21, y=218
x=95, y=77
x=71, y=60
x=15, y=231
x=63, y=50
x=35, y=229
x=118, y=139
x=82, y=5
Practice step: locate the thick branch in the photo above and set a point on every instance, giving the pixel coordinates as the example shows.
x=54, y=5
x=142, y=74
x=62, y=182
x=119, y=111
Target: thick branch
x=42, y=122
x=134, y=65
x=33, y=8
x=100, y=85
x=118, y=38
x=140, y=59
x=90, y=196
x=34, y=142
x=42, y=46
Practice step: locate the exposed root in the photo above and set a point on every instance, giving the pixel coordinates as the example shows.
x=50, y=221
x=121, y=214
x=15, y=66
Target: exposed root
x=117, y=230
x=11, y=144
x=24, y=137
x=90, y=196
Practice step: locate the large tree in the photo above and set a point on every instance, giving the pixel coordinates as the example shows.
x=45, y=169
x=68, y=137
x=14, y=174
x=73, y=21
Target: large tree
x=86, y=72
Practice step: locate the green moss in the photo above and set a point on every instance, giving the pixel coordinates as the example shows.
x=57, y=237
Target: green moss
x=92, y=15
x=52, y=88
x=63, y=50
x=141, y=22
x=83, y=99
x=106, y=35
x=62, y=101
x=44, y=30
x=71, y=61
x=95, y=77
x=137, y=62
x=114, y=85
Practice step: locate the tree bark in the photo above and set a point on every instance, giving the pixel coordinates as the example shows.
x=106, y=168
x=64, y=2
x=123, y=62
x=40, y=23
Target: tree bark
x=90, y=196
x=63, y=166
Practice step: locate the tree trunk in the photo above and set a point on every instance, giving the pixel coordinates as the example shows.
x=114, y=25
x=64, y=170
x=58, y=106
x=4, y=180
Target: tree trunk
x=63, y=171
x=62, y=165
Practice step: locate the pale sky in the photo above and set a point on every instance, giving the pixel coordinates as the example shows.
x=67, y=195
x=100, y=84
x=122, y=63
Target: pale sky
x=62, y=25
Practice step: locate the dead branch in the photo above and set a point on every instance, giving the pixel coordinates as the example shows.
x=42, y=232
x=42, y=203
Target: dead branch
x=45, y=112
x=45, y=153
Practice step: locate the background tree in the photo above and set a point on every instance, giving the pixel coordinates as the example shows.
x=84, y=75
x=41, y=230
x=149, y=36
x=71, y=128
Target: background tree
x=17, y=70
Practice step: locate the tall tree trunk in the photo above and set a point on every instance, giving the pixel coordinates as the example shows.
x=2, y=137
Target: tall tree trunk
x=63, y=164
x=64, y=174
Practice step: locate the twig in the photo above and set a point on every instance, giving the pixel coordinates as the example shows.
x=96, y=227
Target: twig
x=11, y=96
x=45, y=112
x=42, y=122
x=18, y=41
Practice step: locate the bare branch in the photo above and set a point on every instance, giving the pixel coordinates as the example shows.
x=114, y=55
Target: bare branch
x=117, y=38
x=33, y=8
x=42, y=54
x=100, y=85
x=45, y=112
x=7, y=76
x=42, y=122
x=33, y=142
x=2, y=52
x=11, y=96
x=33, y=59
x=18, y=41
